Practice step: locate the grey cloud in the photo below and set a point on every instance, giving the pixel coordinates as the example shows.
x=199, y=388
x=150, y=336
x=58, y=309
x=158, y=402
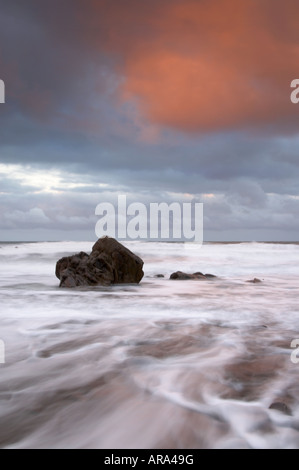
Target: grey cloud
x=247, y=194
x=63, y=112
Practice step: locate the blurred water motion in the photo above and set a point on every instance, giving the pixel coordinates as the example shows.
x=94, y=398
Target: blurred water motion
x=166, y=364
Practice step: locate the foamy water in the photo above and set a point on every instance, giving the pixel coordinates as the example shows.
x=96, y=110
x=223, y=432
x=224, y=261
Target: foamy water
x=165, y=364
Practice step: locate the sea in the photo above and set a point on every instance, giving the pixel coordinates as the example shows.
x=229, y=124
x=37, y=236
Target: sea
x=166, y=364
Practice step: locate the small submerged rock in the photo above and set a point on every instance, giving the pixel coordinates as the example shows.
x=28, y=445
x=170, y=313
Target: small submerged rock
x=280, y=406
x=109, y=263
x=255, y=281
x=180, y=276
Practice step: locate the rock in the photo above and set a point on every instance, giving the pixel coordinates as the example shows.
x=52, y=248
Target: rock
x=179, y=275
x=159, y=275
x=255, y=281
x=109, y=263
x=280, y=406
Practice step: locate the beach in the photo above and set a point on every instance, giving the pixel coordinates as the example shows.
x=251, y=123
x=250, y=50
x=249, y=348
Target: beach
x=166, y=364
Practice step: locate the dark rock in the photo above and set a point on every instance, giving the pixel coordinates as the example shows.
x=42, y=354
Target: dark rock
x=280, y=406
x=109, y=263
x=255, y=281
x=180, y=276
x=69, y=262
x=159, y=275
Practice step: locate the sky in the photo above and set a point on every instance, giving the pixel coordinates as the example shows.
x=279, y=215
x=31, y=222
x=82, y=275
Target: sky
x=161, y=100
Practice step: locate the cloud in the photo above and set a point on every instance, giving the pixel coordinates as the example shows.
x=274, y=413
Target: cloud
x=245, y=211
x=247, y=194
x=33, y=218
x=149, y=99
x=199, y=65
x=191, y=65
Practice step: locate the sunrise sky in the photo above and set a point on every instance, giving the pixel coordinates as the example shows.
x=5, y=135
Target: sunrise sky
x=159, y=100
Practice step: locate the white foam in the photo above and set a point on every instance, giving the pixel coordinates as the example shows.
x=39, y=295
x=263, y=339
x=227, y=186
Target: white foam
x=172, y=340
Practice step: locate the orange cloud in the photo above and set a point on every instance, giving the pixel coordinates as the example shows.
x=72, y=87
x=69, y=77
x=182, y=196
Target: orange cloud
x=204, y=65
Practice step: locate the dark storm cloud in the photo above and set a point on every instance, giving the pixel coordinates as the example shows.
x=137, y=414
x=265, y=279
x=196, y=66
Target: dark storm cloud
x=152, y=97
x=43, y=56
x=64, y=63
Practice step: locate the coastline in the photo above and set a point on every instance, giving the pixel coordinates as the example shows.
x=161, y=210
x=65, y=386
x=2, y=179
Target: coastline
x=163, y=364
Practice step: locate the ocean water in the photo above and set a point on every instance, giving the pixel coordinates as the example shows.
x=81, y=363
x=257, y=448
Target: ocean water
x=162, y=365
